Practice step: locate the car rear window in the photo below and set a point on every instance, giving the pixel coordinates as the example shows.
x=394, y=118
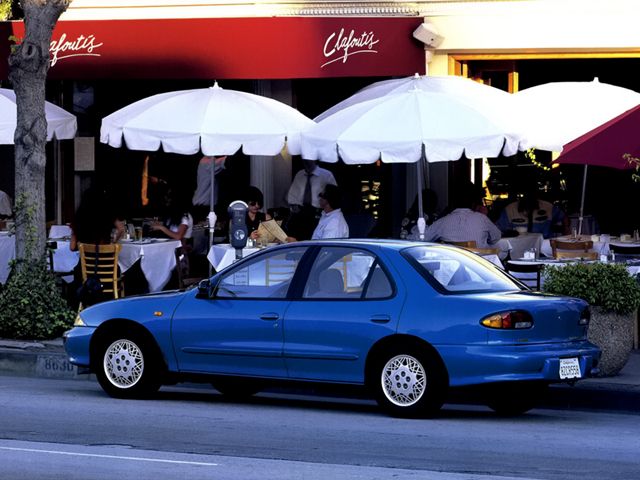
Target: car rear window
x=457, y=270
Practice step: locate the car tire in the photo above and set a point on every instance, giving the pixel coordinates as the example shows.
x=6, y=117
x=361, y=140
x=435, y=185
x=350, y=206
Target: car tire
x=127, y=366
x=409, y=383
x=237, y=389
x=515, y=398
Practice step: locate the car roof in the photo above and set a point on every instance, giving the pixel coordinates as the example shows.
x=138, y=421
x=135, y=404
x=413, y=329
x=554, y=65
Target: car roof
x=392, y=244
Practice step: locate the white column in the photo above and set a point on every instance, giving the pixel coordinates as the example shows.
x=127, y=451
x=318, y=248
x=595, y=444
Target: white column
x=272, y=175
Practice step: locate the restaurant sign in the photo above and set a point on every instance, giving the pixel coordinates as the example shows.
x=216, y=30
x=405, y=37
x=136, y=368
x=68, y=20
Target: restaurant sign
x=269, y=48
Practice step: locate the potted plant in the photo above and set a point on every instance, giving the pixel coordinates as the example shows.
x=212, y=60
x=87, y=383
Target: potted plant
x=614, y=296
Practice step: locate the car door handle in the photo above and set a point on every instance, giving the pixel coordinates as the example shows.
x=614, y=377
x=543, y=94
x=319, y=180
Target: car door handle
x=380, y=318
x=270, y=316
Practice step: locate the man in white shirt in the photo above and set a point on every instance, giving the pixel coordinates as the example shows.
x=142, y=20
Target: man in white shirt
x=464, y=223
x=332, y=223
x=201, y=199
x=303, y=198
x=6, y=205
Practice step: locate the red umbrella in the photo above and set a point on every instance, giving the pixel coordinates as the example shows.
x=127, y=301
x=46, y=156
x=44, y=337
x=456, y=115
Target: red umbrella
x=605, y=146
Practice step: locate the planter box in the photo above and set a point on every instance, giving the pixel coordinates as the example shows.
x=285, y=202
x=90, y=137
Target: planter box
x=614, y=334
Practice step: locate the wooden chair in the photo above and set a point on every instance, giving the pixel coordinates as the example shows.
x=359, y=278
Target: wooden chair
x=102, y=259
x=279, y=270
x=568, y=255
x=531, y=273
x=484, y=251
x=579, y=249
x=467, y=244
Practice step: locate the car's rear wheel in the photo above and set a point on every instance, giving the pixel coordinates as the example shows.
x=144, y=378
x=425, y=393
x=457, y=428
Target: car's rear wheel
x=236, y=388
x=410, y=383
x=515, y=398
x=127, y=366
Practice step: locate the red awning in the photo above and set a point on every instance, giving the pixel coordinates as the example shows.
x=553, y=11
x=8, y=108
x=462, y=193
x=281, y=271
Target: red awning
x=239, y=48
x=605, y=145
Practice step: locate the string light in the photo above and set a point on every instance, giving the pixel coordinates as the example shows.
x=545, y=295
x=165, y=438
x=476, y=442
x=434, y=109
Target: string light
x=531, y=155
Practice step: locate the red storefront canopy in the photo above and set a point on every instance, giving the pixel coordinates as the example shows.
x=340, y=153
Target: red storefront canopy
x=239, y=48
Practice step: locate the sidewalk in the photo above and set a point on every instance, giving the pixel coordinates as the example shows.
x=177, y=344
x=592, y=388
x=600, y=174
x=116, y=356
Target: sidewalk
x=47, y=359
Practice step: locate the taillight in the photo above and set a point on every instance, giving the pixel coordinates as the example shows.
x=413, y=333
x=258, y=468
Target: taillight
x=512, y=320
x=585, y=317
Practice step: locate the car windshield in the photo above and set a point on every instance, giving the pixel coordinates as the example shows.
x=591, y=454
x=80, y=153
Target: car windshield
x=457, y=270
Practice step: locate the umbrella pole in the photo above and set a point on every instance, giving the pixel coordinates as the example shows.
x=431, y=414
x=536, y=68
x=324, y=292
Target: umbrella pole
x=584, y=187
x=420, y=222
x=211, y=218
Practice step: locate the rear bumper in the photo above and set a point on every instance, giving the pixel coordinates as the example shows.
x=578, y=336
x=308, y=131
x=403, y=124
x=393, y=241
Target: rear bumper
x=472, y=365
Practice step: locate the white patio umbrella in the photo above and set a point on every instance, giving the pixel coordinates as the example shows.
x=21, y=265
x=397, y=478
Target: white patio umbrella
x=60, y=123
x=415, y=126
x=213, y=120
x=449, y=85
x=557, y=113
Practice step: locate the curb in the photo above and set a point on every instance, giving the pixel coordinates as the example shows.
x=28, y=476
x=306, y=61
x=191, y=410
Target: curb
x=49, y=360
x=41, y=364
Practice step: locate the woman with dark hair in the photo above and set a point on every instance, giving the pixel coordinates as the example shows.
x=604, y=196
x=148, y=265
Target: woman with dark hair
x=96, y=219
x=178, y=222
x=255, y=202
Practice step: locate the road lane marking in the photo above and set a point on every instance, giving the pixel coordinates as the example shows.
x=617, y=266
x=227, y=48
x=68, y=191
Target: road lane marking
x=117, y=457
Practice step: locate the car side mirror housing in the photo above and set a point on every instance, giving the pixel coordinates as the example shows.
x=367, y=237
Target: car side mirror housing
x=204, y=289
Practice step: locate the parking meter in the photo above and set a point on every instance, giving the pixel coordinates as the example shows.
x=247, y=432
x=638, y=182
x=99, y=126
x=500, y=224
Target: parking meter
x=238, y=226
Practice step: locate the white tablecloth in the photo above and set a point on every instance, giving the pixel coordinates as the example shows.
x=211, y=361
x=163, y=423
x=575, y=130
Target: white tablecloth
x=7, y=253
x=157, y=260
x=600, y=245
x=520, y=244
x=222, y=255
x=64, y=260
x=59, y=231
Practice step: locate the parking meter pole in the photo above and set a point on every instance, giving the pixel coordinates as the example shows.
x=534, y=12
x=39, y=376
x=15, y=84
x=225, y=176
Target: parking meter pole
x=211, y=219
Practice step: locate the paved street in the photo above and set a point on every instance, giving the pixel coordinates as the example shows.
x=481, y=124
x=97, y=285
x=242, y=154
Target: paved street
x=70, y=429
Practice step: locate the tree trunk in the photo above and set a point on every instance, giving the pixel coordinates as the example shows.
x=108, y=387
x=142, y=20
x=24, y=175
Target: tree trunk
x=28, y=66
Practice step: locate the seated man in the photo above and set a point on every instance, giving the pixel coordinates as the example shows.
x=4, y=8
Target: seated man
x=463, y=223
x=332, y=223
x=534, y=214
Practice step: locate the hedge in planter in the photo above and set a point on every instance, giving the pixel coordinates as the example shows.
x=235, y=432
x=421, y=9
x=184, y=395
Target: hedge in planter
x=31, y=305
x=614, y=296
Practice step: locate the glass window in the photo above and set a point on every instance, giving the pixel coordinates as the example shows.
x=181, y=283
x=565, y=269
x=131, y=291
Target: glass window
x=457, y=270
x=379, y=285
x=339, y=273
x=268, y=276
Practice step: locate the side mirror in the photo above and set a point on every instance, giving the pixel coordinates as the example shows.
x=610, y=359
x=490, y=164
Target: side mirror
x=204, y=289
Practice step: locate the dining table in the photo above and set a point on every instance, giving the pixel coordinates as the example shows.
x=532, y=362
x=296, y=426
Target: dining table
x=221, y=255
x=516, y=246
x=157, y=259
x=64, y=259
x=601, y=242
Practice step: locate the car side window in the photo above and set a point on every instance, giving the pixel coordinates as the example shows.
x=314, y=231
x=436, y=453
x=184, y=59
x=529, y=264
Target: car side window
x=379, y=285
x=339, y=273
x=268, y=276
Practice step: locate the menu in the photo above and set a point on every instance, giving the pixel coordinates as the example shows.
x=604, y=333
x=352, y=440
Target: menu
x=270, y=231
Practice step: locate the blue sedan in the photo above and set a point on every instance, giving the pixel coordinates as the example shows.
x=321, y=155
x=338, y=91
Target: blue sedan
x=407, y=320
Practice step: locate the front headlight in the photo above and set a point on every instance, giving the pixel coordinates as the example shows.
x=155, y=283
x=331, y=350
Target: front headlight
x=78, y=322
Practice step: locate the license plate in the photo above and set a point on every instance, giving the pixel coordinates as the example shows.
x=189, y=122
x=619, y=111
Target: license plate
x=569, y=368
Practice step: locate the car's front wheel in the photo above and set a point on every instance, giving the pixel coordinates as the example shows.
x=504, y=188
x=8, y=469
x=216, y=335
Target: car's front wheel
x=127, y=366
x=410, y=383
